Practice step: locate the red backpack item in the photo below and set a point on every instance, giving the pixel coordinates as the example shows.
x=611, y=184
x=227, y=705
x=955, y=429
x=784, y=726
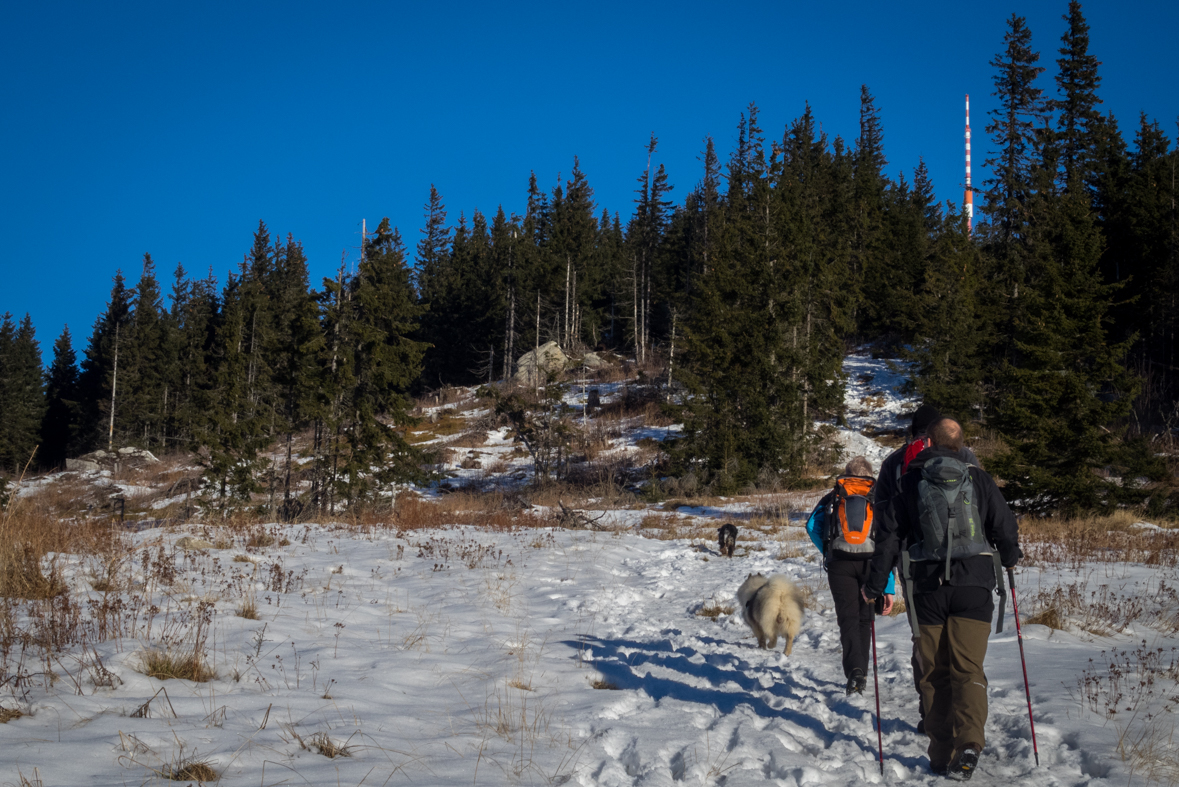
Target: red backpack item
x=911, y=451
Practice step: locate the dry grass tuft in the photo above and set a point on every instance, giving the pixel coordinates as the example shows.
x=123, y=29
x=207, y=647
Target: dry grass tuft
x=603, y=684
x=8, y=714
x=248, y=609
x=321, y=743
x=35, y=781
x=1049, y=616
x=166, y=665
x=189, y=770
x=714, y=610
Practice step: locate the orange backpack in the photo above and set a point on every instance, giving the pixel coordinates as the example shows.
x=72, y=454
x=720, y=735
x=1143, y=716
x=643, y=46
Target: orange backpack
x=851, y=507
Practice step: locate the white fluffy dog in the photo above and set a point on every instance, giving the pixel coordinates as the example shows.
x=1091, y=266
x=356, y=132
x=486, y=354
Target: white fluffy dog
x=772, y=606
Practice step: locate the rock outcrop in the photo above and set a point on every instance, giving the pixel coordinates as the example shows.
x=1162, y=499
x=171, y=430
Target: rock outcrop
x=552, y=360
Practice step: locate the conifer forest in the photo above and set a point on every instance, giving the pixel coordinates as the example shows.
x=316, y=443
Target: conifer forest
x=1048, y=328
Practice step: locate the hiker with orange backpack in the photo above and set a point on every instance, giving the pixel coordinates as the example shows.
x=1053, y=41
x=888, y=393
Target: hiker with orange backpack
x=841, y=526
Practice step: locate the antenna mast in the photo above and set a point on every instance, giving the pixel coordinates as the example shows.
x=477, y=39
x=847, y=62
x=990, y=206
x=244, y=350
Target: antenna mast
x=969, y=197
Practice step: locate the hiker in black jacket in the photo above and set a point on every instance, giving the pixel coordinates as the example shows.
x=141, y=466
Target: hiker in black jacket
x=952, y=601
x=887, y=484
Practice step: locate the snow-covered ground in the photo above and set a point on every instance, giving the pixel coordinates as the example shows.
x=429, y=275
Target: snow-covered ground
x=537, y=656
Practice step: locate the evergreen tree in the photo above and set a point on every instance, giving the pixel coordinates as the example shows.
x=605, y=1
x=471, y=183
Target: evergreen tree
x=643, y=237
x=951, y=333
x=59, y=425
x=1077, y=117
x=387, y=362
x=334, y=405
x=869, y=274
x=294, y=348
x=98, y=382
x=22, y=396
x=1067, y=382
x=1012, y=124
x=813, y=283
x=435, y=285
x=572, y=247
x=239, y=399
x=743, y=417
x=195, y=319
x=142, y=365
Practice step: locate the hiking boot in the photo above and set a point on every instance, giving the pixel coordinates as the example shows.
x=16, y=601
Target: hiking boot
x=921, y=730
x=962, y=768
x=856, y=683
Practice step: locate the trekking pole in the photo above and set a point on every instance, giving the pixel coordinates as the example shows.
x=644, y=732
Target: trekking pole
x=876, y=684
x=1027, y=689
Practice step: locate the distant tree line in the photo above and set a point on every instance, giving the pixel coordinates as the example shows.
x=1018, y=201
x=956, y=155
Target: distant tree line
x=1052, y=325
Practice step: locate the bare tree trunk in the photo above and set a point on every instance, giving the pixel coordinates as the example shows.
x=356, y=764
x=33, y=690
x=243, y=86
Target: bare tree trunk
x=671, y=355
x=568, y=271
x=635, y=280
x=110, y=438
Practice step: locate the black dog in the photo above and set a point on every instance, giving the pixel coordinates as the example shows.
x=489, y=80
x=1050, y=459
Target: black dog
x=728, y=538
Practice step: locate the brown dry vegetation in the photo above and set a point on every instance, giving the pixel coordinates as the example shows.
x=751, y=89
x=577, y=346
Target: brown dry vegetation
x=1079, y=541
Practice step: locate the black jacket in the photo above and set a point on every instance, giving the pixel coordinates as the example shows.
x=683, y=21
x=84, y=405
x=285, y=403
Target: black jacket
x=887, y=483
x=898, y=526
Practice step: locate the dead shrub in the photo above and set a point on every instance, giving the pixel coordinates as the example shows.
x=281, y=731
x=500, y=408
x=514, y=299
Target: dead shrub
x=260, y=538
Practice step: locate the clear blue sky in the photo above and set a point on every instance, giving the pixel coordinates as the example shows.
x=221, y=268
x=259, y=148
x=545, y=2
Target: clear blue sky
x=172, y=128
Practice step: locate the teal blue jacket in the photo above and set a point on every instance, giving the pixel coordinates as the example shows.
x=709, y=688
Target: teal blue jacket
x=815, y=527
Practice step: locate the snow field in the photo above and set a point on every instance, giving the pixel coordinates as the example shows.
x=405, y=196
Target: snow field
x=465, y=656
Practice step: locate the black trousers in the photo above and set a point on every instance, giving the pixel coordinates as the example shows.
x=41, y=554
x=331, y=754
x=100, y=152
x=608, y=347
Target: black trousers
x=846, y=577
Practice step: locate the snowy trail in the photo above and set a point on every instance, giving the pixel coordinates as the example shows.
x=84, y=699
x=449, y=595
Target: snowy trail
x=701, y=701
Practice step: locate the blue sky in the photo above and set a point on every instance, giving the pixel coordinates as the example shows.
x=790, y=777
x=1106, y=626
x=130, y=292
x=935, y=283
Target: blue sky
x=173, y=128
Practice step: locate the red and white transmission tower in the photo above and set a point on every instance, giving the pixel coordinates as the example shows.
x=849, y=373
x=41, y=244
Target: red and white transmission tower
x=968, y=200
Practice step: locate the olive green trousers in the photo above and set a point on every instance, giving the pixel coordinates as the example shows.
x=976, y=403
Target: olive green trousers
x=954, y=686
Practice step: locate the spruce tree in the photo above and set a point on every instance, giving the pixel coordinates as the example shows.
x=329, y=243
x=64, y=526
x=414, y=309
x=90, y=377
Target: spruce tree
x=951, y=332
x=387, y=362
x=434, y=286
x=334, y=406
x=1078, y=119
x=1012, y=126
x=868, y=274
x=22, y=396
x=98, y=381
x=142, y=365
x=743, y=417
x=59, y=426
x=293, y=350
x=1067, y=384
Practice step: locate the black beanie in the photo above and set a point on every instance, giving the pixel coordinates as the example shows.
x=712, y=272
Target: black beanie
x=925, y=416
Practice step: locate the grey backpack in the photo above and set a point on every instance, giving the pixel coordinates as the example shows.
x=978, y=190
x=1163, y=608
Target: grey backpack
x=951, y=525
